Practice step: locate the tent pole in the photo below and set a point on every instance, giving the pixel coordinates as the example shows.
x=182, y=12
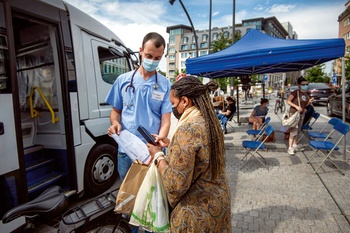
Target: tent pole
x=343, y=102
x=238, y=122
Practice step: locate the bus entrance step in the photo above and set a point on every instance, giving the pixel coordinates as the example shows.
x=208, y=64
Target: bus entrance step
x=44, y=181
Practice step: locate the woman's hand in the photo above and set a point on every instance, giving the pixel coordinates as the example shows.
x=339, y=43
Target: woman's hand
x=311, y=100
x=162, y=142
x=153, y=149
x=300, y=109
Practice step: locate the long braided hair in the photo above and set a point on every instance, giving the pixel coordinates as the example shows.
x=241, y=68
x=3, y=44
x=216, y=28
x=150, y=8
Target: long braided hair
x=192, y=87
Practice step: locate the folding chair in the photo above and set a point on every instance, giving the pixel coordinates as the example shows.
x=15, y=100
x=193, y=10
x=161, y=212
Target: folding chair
x=320, y=146
x=256, y=146
x=308, y=126
x=259, y=132
x=230, y=122
x=314, y=135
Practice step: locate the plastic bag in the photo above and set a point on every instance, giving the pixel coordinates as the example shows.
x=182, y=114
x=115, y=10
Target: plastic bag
x=151, y=210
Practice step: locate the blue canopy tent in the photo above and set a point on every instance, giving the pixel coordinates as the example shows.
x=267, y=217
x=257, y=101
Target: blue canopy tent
x=258, y=53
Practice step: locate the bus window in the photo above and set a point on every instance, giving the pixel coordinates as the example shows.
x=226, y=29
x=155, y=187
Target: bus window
x=111, y=66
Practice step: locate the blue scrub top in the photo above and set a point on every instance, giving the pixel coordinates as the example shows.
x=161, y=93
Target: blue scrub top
x=143, y=107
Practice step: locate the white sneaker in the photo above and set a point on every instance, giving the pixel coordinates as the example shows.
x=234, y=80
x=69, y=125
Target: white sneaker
x=290, y=151
x=296, y=147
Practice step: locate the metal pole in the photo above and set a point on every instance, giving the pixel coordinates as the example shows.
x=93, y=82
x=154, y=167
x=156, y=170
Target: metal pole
x=194, y=31
x=233, y=41
x=210, y=10
x=343, y=102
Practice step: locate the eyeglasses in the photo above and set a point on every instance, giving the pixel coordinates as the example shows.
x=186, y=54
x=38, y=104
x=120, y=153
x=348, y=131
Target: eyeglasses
x=304, y=84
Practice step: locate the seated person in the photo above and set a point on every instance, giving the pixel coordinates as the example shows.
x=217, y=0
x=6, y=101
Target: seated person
x=227, y=112
x=258, y=115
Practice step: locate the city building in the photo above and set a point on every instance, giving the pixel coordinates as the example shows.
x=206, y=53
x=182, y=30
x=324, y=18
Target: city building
x=344, y=32
x=182, y=44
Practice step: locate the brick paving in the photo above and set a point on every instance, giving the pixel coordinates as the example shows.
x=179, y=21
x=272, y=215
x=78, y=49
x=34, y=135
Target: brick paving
x=287, y=196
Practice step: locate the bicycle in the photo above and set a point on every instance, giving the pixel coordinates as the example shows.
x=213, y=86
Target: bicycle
x=95, y=215
x=280, y=105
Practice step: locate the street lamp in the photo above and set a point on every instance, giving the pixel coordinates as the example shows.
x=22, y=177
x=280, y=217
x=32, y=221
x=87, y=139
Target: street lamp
x=189, y=18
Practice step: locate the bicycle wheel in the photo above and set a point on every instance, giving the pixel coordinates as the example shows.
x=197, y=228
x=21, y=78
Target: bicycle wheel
x=277, y=106
x=283, y=108
x=113, y=224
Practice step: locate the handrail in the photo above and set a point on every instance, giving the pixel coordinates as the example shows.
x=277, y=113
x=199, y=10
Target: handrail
x=35, y=113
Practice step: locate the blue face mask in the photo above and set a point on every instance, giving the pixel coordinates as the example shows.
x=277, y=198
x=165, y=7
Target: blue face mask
x=304, y=88
x=150, y=65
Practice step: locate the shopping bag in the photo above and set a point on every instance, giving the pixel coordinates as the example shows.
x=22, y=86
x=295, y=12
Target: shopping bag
x=290, y=121
x=128, y=190
x=151, y=210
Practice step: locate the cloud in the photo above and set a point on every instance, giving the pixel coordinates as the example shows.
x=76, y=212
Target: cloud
x=281, y=8
x=216, y=13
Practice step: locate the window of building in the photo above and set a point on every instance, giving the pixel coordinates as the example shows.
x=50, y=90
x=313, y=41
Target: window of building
x=202, y=53
x=178, y=31
x=193, y=39
x=171, y=65
x=226, y=34
x=171, y=57
x=192, y=54
x=204, y=45
x=171, y=40
x=193, y=46
x=183, y=64
x=184, y=55
x=184, y=47
x=204, y=37
x=171, y=50
x=185, y=40
x=215, y=36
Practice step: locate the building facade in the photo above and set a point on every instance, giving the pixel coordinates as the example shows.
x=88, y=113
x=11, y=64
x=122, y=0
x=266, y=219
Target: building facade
x=182, y=44
x=344, y=32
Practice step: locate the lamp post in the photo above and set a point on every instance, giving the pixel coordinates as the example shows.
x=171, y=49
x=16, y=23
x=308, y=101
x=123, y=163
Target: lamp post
x=210, y=9
x=189, y=18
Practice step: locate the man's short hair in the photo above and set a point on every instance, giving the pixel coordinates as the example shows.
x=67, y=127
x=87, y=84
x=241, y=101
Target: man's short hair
x=157, y=39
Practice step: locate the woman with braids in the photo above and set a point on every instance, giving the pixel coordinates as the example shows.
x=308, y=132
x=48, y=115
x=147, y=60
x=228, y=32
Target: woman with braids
x=193, y=172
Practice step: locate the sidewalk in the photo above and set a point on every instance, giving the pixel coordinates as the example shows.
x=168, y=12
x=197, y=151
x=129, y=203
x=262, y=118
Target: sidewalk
x=288, y=196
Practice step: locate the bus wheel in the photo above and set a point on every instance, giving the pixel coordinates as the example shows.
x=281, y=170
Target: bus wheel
x=100, y=169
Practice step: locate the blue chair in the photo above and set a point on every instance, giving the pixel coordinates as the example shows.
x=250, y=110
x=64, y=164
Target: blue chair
x=260, y=131
x=256, y=146
x=314, y=135
x=328, y=146
x=306, y=127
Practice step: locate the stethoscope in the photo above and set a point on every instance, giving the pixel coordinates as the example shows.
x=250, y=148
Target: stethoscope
x=132, y=85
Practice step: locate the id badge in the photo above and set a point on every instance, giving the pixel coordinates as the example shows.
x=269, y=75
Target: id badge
x=157, y=95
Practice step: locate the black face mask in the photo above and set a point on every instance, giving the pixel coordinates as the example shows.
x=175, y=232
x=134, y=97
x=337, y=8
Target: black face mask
x=176, y=113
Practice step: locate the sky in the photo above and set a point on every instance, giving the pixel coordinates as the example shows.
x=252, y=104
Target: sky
x=131, y=20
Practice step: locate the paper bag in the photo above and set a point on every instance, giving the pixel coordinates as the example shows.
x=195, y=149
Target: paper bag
x=128, y=190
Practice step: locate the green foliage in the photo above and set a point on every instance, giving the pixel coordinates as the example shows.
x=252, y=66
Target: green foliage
x=316, y=74
x=347, y=67
x=218, y=45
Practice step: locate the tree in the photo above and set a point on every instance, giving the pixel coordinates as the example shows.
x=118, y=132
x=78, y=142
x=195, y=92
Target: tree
x=316, y=74
x=218, y=45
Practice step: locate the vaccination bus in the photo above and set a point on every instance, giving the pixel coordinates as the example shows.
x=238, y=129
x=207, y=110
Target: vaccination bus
x=57, y=65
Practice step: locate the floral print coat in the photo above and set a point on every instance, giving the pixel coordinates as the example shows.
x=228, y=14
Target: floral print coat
x=199, y=203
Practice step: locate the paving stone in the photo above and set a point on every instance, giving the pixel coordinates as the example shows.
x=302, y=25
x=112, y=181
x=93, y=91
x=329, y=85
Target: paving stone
x=287, y=196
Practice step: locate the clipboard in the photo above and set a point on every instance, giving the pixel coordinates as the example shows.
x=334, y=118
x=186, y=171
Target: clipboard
x=146, y=135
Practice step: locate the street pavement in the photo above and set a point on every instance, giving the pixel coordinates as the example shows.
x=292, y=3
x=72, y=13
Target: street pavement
x=286, y=196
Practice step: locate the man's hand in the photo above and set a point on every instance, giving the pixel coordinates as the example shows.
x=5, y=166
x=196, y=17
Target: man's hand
x=114, y=129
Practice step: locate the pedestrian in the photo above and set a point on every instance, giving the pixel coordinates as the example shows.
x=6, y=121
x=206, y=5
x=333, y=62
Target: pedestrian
x=257, y=117
x=227, y=112
x=193, y=170
x=298, y=100
x=141, y=97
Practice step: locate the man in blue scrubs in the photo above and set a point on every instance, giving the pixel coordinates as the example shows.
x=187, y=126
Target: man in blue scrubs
x=141, y=97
